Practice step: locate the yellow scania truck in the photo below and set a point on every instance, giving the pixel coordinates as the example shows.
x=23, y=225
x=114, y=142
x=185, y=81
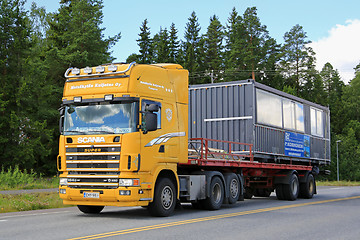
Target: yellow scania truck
x=138, y=135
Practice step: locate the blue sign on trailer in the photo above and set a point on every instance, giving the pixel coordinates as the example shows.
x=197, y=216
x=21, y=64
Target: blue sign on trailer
x=297, y=145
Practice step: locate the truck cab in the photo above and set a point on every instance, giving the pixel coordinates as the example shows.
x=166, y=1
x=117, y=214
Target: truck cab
x=122, y=130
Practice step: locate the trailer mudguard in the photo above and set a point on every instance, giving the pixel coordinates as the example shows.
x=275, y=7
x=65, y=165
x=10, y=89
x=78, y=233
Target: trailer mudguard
x=283, y=177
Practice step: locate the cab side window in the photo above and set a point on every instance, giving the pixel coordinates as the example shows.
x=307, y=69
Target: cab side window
x=146, y=103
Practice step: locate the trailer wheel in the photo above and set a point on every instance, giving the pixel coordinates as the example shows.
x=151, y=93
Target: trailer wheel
x=90, y=209
x=216, y=198
x=164, y=198
x=233, y=185
x=307, y=189
x=291, y=190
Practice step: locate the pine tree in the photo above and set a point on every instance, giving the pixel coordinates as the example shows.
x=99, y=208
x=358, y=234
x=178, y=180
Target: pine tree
x=296, y=58
x=192, y=44
x=213, y=48
x=145, y=44
x=161, y=43
x=174, y=45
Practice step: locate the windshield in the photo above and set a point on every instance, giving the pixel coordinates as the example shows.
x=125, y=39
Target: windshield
x=100, y=118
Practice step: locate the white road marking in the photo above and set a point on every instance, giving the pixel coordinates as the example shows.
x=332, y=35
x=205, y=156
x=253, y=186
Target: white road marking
x=33, y=214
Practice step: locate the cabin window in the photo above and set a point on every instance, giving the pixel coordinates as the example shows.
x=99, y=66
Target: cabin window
x=293, y=114
x=158, y=113
x=268, y=109
x=280, y=112
x=317, y=126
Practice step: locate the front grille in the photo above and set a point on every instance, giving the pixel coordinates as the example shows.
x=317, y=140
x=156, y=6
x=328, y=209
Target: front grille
x=93, y=167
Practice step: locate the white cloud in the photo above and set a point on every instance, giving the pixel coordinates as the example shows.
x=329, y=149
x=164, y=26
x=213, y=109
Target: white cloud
x=341, y=48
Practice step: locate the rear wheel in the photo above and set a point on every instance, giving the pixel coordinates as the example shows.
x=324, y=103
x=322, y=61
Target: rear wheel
x=307, y=189
x=291, y=190
x=164, y=198
x=90, y=209
x=216, y=198
x=233, y=185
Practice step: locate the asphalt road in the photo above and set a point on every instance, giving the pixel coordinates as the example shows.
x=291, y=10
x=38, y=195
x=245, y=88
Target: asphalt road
x=334, y=213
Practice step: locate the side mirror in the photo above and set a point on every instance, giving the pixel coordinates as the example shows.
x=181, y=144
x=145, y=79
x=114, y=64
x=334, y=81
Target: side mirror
x=61, y=111
x=61, y=124
x=153, y=108
x=150, y=122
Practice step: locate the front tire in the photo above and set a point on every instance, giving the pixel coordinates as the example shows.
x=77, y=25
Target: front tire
x=164, y=199
x=90, y=209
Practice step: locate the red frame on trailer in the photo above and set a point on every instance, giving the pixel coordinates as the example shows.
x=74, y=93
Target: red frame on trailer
x=206, y=156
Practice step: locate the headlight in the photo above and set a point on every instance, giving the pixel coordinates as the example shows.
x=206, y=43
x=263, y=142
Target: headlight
x=126, y=182
x=63, y=182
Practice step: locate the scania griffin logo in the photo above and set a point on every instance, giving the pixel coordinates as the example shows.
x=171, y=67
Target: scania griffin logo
x=91, y=139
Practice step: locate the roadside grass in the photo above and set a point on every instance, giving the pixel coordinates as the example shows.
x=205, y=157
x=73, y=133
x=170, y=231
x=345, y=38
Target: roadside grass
x=27, y=202
x=15, y=179
x=336, y=183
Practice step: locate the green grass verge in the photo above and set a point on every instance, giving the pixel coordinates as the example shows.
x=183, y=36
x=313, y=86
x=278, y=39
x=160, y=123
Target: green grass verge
x=15, y=179
x=336, y=183
x=26, y=202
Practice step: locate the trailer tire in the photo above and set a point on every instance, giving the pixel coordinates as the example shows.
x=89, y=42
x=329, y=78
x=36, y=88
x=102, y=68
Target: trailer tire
x=307, y=189
x=291, y=190
x=216, y=198
x=279, y=191
x=90, y=209
x=164, y=201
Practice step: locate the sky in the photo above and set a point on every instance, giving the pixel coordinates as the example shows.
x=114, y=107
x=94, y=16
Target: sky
x=332, y=26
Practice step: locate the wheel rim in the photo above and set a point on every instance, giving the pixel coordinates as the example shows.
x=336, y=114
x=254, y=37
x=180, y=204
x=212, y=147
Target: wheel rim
x=216, y=192
x=311, y=187
x=234, y=189
x=167, y=197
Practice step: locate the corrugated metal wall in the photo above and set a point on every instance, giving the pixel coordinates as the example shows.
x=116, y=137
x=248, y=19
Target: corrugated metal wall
x=213, y=110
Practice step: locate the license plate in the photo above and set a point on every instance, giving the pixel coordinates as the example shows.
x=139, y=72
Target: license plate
x=91, y=195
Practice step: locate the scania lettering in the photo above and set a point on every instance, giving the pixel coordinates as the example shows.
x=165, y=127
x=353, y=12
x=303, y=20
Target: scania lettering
x=91, y=139
x=138, y=135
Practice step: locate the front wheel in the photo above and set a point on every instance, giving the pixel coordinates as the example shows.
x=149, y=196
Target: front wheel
x=90, y=209
x=164, y=198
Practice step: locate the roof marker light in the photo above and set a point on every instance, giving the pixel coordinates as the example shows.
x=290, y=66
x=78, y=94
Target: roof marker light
x=109, y=97
x=75, y=71
x=77, y=99
x=100, y=69
x=112, y=68
x=88, y=70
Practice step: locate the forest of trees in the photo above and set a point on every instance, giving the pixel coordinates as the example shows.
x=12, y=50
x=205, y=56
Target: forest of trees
x=37, y=47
